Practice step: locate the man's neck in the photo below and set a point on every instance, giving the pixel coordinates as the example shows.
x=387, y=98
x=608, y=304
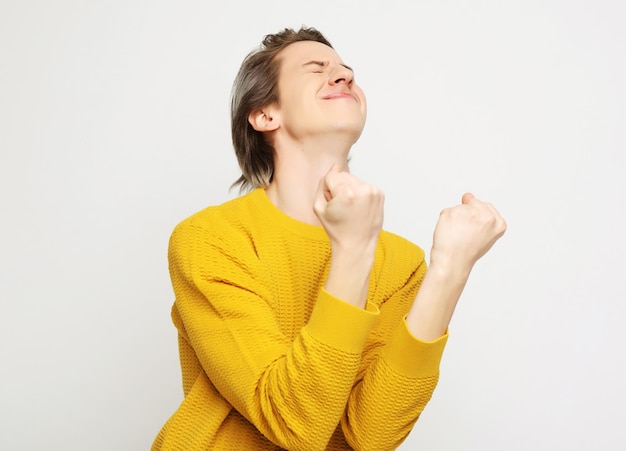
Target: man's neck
x=296, y=179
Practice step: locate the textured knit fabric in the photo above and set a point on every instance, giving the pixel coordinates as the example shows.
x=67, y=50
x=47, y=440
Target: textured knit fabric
x=269, y=359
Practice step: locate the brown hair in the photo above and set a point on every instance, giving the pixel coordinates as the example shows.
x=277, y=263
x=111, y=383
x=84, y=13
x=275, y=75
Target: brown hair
x=256, y=86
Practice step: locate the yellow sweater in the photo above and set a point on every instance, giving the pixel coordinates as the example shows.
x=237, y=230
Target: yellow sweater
x=269, y=359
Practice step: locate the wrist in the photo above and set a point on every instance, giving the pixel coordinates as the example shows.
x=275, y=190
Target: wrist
x=448, y=268
x=348, y=276
x=432, y=310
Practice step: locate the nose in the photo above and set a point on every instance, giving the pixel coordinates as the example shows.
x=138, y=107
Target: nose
x=341, y=75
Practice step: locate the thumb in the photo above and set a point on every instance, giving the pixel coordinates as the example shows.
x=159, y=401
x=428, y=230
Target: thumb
x=467, y=197
x=327, y=181
x=324, y=194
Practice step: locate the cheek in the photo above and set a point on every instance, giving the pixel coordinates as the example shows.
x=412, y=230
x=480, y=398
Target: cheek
x=361, y=96
x=296, y=100
x=363, y=99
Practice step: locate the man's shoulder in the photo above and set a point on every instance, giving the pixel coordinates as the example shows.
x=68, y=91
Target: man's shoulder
x=227, y=217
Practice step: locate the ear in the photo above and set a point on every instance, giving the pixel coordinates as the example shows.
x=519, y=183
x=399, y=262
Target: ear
x=264, y=119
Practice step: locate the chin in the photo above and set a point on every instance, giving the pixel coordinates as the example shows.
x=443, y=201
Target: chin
x=353, y=128
x=349, y=134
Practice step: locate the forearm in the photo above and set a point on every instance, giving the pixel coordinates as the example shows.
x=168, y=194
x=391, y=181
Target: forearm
x=348, y=276
x=434, y=305
x=294, y=394
x=394, y=391
x=351, y=213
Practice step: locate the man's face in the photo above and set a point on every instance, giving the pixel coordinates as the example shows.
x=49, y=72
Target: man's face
x=317, y=93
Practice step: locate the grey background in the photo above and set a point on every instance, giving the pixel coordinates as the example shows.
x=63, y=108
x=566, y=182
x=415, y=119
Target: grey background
x=114, y=127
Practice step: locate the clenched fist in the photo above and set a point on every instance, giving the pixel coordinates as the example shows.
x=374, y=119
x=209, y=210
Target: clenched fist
x=350, y=210
x=464, y=233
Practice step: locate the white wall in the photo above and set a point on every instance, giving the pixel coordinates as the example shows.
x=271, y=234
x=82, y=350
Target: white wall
x=114, y=126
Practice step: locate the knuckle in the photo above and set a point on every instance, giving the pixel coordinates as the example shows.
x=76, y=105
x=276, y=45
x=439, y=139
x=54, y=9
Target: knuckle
x=490, y=216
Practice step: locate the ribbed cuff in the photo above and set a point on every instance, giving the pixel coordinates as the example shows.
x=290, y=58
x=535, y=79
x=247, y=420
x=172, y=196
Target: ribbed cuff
x=412, y=357
x=340, y=324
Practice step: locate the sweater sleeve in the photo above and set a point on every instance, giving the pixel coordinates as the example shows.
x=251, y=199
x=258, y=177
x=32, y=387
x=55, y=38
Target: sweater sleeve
x=293, y=392
x=394, y=389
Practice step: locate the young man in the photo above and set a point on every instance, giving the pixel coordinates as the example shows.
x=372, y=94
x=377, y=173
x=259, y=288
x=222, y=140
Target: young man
x=300, y=322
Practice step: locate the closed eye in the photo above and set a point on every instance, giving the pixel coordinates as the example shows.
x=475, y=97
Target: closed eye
x=318, y=66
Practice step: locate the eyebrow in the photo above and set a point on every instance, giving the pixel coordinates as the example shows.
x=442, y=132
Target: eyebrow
x=325, y=63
